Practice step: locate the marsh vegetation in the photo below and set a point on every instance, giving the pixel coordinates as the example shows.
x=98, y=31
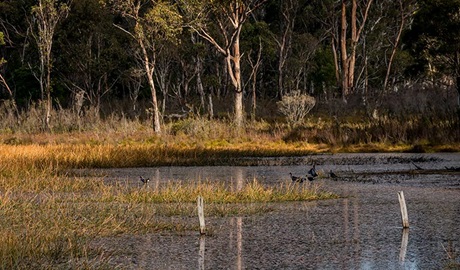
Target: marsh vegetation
x=49, y=214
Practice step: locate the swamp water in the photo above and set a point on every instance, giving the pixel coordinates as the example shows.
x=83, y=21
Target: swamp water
x=361, y=230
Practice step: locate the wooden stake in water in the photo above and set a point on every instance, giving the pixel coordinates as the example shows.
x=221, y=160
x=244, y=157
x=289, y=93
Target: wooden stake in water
x=200, y=203
x=402, y=204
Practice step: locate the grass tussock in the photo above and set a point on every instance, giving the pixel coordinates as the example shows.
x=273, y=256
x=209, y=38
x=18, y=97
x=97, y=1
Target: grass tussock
x=218, y=193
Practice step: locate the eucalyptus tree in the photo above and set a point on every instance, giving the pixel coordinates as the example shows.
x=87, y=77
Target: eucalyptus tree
x=405, y=10
x=46, y=16
x=348, y=50
x=365, y=42
x=220, y=23
x=150, y=23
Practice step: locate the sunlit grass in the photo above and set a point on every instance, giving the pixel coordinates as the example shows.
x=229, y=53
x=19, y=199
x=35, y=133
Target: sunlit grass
x=252, y=192
x=23, y=158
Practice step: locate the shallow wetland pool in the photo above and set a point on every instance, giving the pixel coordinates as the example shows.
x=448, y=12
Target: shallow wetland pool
x=361, y=230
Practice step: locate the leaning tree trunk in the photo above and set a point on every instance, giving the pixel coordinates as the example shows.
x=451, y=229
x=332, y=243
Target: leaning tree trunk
x=149, y=71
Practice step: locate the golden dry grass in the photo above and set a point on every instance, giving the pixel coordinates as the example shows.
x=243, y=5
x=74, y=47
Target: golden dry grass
x=51, y=156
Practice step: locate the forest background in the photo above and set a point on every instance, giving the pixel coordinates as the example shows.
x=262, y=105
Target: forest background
x=335, y=74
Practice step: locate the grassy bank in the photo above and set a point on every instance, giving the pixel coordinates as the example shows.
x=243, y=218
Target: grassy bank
x=118, y=141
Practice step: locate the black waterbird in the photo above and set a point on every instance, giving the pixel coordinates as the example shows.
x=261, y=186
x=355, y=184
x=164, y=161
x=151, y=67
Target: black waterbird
x=332, y=174
x=144, y=180
x=296, y=178
x=312, y=172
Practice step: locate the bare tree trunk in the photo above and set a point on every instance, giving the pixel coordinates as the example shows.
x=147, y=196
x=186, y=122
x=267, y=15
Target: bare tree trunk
x=134, y=88
x=354, y=44
x=149, y=72
x=349, y=61
x=336, y=61
x=48, y=94
x=289, y=9
x=343, y=51
x=199, y=82
x=395, y=46
x=210, y=106
x=235, y=74
x=255, y=67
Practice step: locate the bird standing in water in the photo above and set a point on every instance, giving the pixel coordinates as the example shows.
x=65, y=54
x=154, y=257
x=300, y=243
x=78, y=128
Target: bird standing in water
x=144, y=180
x=296, y=178
x=312, y=171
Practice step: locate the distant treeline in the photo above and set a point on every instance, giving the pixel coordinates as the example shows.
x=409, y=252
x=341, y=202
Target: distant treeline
x=175, y=56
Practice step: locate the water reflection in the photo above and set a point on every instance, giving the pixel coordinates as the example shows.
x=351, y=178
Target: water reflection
x=201, y=252
x=350, y=233
x=157, y=179
x=239, y=179
x=236, y=240
x=403, y=249
x=239, y=243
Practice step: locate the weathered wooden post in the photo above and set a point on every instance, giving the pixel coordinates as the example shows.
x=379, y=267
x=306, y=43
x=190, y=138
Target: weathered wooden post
x=200, y=203
x=402, y=204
